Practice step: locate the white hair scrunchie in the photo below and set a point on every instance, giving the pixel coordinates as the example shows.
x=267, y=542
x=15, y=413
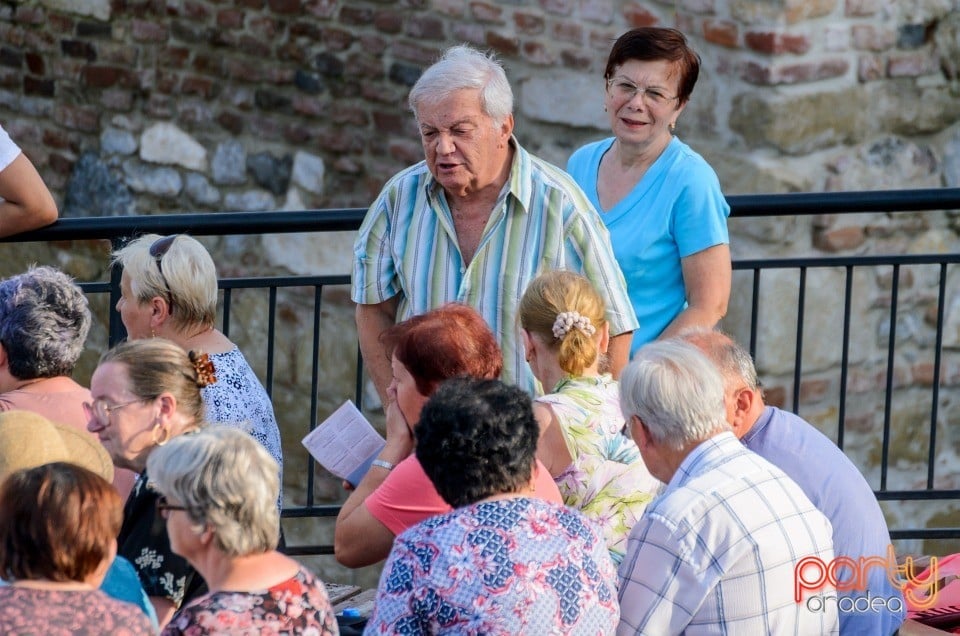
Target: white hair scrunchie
x=569, y=320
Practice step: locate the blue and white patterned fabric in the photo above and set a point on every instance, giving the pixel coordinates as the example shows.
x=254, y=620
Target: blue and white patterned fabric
x=510, y=566
x=716, y=553
x=238, y=399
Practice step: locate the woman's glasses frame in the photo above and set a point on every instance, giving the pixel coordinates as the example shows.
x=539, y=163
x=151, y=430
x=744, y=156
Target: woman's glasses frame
x=164, y=507
x=101, y=409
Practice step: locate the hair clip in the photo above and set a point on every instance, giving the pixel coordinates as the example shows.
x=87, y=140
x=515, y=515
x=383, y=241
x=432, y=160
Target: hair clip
x=567, y=321
x=204, y=368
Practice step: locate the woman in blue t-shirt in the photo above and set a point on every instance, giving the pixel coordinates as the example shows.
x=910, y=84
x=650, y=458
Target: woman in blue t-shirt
x=660, y=200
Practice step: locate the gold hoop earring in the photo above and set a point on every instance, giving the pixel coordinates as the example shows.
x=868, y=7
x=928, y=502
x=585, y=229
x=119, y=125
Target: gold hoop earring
x=164, y=432
x=673, y=126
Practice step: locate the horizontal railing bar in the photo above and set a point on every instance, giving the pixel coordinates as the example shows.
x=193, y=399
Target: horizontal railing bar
x=843, y=261
x=804, y=203
x=928, y=533
x=307, y=550
x=284, y=281
x=349, y=219
x=197, y=224
x=330, y=510
x=916, y=495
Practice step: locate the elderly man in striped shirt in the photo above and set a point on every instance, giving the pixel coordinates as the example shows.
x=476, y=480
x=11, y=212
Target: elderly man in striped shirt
x=720, y=550
x=475, y=222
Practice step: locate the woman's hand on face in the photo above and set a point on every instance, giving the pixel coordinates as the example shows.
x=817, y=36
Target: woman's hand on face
x=399, y=435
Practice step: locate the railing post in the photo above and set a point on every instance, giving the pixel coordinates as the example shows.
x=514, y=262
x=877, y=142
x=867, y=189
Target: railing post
x=117, y=332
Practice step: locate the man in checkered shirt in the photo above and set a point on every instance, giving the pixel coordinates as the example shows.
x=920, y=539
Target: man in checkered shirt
x=716, y=552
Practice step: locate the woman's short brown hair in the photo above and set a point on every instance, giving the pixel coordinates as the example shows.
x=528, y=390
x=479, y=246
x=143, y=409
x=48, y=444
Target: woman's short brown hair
x=649, y=44
x=58, y=522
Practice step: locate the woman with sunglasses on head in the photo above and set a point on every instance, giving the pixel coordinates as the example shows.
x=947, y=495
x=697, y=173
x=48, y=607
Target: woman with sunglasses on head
x=218, y=489
x=169, y=289
x=660, y=200
x=145, y=393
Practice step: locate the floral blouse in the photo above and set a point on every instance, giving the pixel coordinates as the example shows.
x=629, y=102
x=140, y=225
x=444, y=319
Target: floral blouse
x=144, y=542
x=68, y=613
x=299, y=605
x=508, y=566
x=607, y=481
x=238, y=398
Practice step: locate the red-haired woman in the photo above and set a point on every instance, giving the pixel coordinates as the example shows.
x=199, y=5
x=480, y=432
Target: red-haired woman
x=447, y=342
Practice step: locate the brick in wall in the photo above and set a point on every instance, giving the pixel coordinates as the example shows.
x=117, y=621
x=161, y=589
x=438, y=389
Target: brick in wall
x=777, y=43
x=425, y=27
x=722, y=32
x=529, y=23
x=637, y=15
x=538, y=54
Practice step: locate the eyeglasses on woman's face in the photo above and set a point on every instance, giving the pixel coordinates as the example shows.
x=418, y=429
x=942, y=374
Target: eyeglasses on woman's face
x=100, y=409
x=622, y=88
x=164, y=507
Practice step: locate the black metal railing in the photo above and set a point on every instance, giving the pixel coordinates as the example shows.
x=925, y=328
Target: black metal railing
x=118, y=229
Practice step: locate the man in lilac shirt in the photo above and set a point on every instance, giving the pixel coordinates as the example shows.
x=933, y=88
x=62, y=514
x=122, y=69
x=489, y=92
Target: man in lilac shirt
x=831, y=481
x=716, y=553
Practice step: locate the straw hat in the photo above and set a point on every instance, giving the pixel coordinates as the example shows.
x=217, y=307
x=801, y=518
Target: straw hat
x=28, y=440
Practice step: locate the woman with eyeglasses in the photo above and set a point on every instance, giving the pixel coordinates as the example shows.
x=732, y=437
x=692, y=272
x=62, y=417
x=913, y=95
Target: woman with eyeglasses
x=169, y=289
x=146, y=393
x=218, y=489
x=660, y=200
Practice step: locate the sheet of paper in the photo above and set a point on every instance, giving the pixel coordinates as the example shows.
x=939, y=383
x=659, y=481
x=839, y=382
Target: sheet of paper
x=345, y=443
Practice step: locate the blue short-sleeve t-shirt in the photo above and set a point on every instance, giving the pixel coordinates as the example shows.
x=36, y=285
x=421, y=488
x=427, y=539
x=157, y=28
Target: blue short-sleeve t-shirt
x=676, y=210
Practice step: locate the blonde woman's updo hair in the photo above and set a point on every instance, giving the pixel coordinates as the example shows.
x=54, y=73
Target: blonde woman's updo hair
x=182, y=272
x=157, y=365
x=561, y=292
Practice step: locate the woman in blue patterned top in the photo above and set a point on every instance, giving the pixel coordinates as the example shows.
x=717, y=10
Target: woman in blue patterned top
x=503, y=562
x=169, y=289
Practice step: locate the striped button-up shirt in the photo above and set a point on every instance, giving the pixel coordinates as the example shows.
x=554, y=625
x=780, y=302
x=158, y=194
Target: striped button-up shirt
x=716, y=552
x=542, y=221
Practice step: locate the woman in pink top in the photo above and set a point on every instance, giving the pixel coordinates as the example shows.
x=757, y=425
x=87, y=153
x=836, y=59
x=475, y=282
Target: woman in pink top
x=447, y=342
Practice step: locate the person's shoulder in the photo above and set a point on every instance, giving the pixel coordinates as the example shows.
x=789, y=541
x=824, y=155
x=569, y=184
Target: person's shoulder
x=551, y=175
x=688, y=164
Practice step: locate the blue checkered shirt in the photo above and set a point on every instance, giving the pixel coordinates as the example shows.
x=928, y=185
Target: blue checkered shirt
x=715, y=553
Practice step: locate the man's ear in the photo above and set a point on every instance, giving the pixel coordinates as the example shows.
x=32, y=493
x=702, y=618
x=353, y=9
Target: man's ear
x=744, y=402
x=3, y=356
x=639, y=432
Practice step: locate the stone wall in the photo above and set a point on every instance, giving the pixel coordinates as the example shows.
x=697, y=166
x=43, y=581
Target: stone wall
x=155, y=106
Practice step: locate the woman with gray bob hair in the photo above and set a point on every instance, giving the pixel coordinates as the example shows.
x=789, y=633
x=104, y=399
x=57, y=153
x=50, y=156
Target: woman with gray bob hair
x=218, y=490
x=463, y=67
x=675, y=391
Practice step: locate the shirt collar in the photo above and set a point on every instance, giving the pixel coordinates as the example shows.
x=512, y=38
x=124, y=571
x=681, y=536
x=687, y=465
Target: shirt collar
x=517, y=185
x=707, y=455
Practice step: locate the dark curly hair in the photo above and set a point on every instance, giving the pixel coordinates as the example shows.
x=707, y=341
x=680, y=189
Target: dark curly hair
x=477, y=438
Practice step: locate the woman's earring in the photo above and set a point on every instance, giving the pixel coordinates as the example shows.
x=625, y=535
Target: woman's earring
x=673, y=126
